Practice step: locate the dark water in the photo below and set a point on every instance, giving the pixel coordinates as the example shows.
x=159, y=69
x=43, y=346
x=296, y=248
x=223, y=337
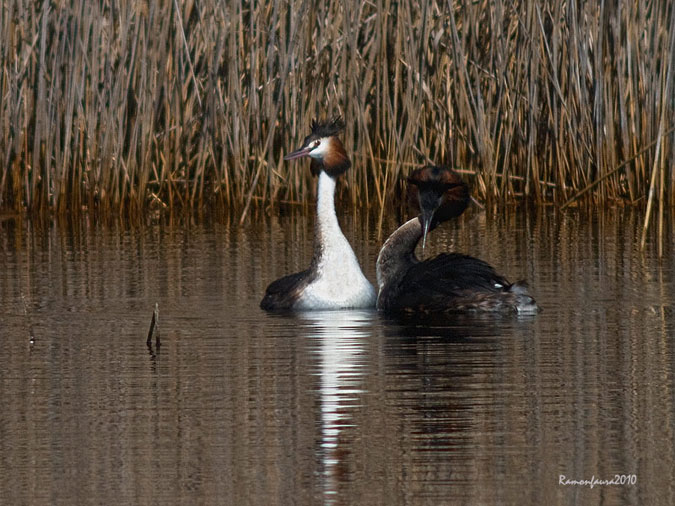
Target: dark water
x=240, y=407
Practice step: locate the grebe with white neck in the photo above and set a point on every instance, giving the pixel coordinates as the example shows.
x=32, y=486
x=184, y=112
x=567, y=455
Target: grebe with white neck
x=334, y=279
x=450, y=282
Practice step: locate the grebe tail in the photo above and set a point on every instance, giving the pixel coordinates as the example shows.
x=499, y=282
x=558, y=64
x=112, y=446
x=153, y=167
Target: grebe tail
x=451, y=281
x=334, y=279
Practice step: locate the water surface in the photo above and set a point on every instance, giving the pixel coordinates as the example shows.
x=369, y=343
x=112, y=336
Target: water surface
x=347, y=407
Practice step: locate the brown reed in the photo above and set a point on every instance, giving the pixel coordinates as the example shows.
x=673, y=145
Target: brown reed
x=121, y=106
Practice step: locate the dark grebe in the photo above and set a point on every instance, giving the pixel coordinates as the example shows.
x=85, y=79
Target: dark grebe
x=451, y=281
x=334, y=279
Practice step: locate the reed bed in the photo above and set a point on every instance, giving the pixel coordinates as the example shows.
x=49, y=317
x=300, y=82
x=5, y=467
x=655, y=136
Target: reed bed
x=123, y=106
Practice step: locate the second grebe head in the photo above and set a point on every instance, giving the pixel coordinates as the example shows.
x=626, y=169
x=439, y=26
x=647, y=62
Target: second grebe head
x=439, y=193
x=324, y=147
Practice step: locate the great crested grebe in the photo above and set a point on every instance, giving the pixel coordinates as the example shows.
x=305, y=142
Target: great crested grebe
x=451, y=281
x=334, y=279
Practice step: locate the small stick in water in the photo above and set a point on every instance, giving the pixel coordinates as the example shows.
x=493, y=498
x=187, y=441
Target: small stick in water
x=154, y=327
x=31, y=334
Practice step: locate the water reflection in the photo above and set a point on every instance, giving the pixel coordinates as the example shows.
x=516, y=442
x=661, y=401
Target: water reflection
x=446, y=385
x=338, y=338
x=242, y=407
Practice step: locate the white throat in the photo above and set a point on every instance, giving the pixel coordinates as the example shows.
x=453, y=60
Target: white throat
x=328, y=227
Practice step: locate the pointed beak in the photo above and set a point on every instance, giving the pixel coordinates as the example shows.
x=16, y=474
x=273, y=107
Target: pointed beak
x=426, y=225
x=298, y=153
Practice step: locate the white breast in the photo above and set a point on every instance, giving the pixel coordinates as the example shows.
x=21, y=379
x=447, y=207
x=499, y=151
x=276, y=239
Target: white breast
x=339, y=284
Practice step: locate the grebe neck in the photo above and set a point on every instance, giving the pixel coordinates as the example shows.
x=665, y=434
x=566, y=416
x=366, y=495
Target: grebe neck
x=398, y=252
x=329, y=239
x=325, y=204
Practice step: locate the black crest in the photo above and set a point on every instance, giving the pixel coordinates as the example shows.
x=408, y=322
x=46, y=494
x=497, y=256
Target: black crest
x=327, y=128
x=435, y=179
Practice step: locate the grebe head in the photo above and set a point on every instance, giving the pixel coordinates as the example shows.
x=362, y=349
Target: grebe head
x=324, y=148
x=439, y=193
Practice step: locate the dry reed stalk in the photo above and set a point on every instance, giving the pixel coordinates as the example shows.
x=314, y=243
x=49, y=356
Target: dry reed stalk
x=658, y=170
